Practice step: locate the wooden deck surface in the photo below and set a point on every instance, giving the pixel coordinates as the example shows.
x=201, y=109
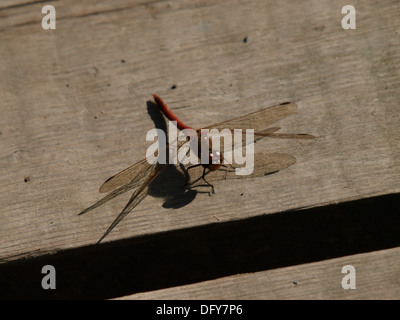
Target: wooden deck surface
x=75, y=110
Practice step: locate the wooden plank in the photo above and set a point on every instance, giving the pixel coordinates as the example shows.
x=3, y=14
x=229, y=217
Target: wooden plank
x=73, y=106
x=194, y=255
x=376, y=277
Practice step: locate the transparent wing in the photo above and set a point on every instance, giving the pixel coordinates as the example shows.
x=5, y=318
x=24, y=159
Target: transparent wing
x=264, y=164
x=261, y=119
x=267, y=163
x=258, y=120
x=134, y=183
x=135, y=172
x=136, y=198
x=130, y=178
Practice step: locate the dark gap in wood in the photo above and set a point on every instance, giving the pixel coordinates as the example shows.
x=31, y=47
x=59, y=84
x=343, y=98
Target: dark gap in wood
x=197, y=254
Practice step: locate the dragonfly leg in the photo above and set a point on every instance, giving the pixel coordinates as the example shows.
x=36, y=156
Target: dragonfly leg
x=230, y=164
x=188, y=175
x=204, y=178
x=226, y=169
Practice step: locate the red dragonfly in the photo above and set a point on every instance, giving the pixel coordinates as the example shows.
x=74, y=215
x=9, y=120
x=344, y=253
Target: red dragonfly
x=140, y=175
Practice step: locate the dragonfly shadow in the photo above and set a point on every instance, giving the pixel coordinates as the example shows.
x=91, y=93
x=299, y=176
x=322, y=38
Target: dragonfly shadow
x=169, y=184
x=156, y=116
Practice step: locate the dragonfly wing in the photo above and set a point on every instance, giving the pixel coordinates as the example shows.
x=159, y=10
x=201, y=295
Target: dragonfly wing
x=126, y=187
x=267, y=163
x=136, y=198
x=264, y=164
x=113, y=194
x=133, y=173
x=227, y=140
x=259, y=119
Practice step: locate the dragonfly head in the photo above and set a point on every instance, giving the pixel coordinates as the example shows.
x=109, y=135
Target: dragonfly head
x=215, y=160
x=215, y=157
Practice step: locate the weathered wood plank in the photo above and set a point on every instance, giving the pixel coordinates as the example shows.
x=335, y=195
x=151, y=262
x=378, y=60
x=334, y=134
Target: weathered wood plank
x=73, y=108
x=180, y=257
x=376, y=277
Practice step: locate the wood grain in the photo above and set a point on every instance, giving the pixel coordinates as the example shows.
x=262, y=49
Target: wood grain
x=74, y=108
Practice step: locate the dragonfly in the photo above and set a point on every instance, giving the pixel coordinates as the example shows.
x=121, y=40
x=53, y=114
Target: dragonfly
x=140, y=175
